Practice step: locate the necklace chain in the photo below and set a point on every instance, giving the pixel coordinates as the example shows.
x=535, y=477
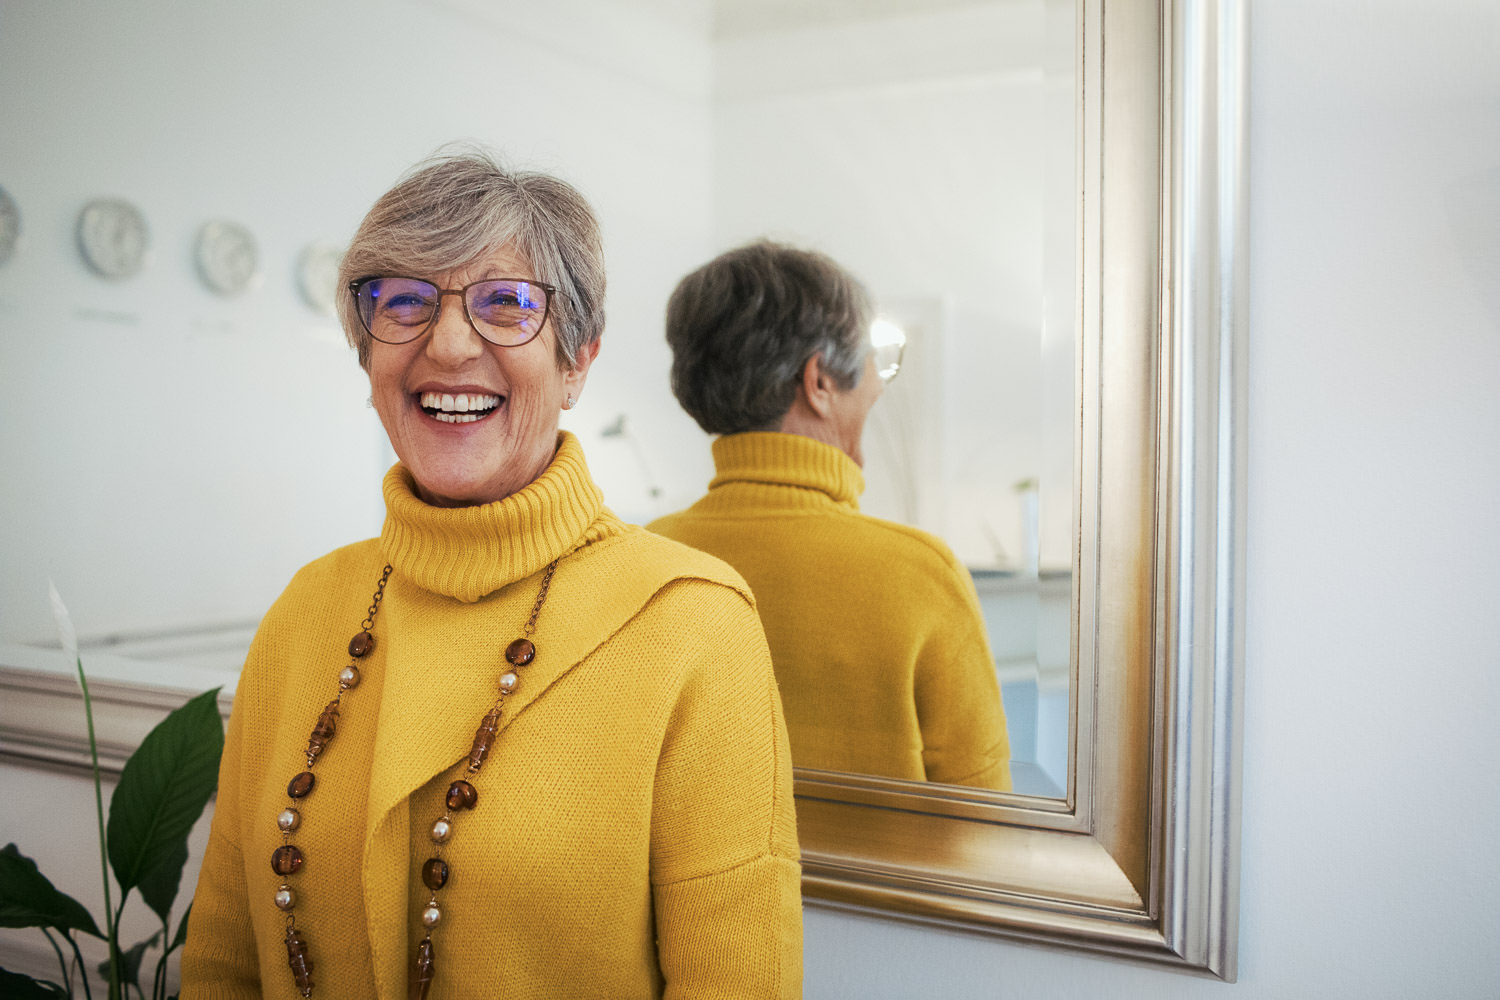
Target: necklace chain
x=541, y=598
x=288, y=859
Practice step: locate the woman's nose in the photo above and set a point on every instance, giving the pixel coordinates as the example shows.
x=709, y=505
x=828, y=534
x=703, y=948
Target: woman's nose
x=453, y=339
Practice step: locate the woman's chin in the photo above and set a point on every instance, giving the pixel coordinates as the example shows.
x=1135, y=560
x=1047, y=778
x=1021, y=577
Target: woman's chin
x=468, y=479
x=448, y=491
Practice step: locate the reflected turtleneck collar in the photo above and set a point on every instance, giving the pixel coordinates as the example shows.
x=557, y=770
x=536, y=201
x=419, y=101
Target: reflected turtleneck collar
x=772, y=458
x=468, y=552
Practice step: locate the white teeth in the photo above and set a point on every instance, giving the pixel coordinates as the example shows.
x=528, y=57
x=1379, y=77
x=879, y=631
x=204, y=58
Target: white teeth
x=457, y=418
x=448, y=403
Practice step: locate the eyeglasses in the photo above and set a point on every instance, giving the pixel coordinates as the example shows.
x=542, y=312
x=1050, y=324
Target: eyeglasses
x=507, y=312
x=888, y=343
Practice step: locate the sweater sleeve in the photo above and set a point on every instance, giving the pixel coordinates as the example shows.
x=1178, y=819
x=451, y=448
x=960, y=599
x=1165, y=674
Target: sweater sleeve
x=964, y=739
x=725, y=874
x=219, y=958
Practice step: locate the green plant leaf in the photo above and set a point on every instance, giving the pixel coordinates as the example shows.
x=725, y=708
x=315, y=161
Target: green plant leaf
x=28, y=899
x=130, y=962
x=159, y=885
x=15, y=986
x=162, y=791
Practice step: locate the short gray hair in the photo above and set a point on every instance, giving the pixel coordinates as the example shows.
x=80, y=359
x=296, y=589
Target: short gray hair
x=458, y=207
x=743, y=326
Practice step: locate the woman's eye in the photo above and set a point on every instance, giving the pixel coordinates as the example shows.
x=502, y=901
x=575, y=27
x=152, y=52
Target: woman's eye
x=406, y=308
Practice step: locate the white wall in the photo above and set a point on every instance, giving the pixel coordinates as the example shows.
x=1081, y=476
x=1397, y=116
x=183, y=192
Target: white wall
x=1373, y=655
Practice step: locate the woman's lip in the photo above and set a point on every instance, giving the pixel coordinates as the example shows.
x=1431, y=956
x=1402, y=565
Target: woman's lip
x=469, y=387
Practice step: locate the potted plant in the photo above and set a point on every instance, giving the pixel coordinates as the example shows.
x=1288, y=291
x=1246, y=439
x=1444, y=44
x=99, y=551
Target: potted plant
x=163, y=789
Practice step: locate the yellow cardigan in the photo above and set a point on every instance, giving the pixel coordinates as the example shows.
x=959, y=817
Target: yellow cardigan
x=874, y=627
x=634, y=835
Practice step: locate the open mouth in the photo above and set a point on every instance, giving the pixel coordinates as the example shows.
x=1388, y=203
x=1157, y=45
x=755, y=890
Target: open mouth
x=459, y=408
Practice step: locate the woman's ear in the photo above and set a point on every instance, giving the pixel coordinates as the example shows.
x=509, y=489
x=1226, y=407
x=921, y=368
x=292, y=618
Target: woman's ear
x=574, y=377
x=817, y=386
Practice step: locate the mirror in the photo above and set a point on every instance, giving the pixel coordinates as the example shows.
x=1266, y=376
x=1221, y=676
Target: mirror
x=929, y=149
x=176, y=452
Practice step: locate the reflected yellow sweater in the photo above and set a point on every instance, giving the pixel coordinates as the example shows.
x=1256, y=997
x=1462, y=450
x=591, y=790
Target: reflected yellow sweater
x=874, y=627
x=634, y=835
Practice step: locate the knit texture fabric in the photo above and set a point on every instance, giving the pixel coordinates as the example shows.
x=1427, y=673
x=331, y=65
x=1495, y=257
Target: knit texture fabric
x=634, y=834
x=874, y=627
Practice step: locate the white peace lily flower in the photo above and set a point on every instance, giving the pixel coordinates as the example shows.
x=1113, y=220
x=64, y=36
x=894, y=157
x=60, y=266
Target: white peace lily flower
x=65, y=630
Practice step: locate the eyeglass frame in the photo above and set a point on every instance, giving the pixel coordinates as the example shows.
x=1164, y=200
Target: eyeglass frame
x=896, y=368
x=463, y=294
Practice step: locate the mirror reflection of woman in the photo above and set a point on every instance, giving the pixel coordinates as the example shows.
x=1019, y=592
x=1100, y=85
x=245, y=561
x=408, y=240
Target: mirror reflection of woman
x=874, y=626
x=550, y=762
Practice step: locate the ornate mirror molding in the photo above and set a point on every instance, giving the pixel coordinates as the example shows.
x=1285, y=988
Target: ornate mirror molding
x=1141, y=857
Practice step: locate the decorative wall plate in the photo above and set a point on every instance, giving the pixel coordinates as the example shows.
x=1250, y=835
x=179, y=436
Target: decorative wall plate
x=10, y=226
x=113, y=237
x=317, y=276
x=227, y=256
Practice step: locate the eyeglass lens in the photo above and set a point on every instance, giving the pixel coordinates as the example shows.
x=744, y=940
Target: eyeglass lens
x=505, y=311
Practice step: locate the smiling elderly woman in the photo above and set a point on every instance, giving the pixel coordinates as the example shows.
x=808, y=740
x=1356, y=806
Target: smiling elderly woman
x=551, y=761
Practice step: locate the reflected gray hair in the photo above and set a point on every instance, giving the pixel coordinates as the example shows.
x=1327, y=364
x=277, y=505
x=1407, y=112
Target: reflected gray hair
x=457, y=208
x=743, y=326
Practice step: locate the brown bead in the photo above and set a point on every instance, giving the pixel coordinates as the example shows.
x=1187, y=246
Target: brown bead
x=462, y=795
x=327, y=725
x=435, y=874
x=286, y=860
x=299, y=786
x=361, y=644
x=484, y=738
x=424, y=969
x=520, y=652
x=296, y=957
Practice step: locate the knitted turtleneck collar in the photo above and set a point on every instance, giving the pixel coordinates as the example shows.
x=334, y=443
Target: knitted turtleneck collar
x=468, y=552
x=771, y=458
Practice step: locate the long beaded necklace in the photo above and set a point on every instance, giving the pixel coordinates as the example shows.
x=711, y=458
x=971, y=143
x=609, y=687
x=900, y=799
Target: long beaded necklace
x=288, y=859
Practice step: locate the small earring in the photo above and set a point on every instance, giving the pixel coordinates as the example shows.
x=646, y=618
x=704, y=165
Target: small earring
x=568, y=405
x=370, y=401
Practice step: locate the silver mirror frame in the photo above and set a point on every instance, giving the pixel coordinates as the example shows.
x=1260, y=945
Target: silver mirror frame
x=1141, y=859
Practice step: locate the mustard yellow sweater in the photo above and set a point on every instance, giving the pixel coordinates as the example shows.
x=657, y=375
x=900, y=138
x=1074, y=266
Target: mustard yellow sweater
x=634, y=835
x=874, y=627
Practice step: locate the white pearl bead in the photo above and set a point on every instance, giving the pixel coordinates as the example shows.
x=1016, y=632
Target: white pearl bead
x=431, y=915
x=508, y=681
x=289, y=820
x=441, y=831
x=285, y=900
x=349, y=678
